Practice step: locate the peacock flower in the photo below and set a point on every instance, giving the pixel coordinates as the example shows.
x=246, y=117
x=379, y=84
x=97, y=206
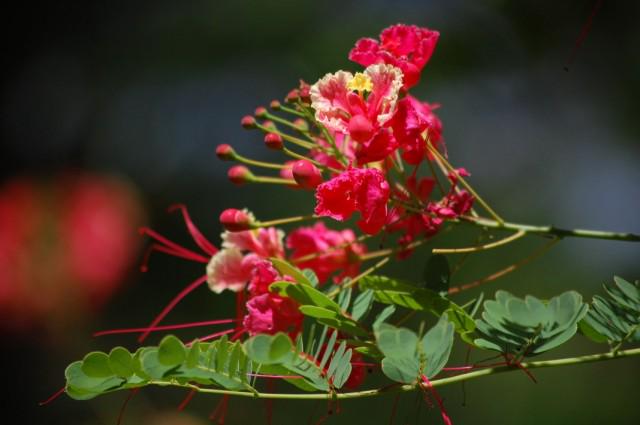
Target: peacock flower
x=407, y=47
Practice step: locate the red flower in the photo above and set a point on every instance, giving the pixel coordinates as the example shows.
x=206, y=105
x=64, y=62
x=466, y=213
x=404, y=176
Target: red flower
x=269, y=314
x=412, y=119
x=364, y=190
x=407, y=47
x=335, y=250
x=342, y=107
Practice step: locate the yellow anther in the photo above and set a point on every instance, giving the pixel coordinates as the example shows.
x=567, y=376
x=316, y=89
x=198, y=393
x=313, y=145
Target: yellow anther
x=360, y=82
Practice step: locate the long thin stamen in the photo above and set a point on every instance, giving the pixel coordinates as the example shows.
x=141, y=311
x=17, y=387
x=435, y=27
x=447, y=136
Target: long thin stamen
x=164, y=328
x=144, y=266
x=174, y=246
x=186, y=291
x=195, y=233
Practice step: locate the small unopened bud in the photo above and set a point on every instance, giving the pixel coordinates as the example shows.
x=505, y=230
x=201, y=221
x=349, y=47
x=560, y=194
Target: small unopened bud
x=270, y=125
x=248, y=122
x=260, y=112
x=273, y=141
x=301, y=124
x=275, y=105
x=235, y=220
x=239, y=174
x=292, y=96
x=306, y=174
x=225, y=152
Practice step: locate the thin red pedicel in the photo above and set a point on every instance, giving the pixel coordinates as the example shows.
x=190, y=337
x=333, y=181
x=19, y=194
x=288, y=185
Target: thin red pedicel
x=443, y=411
x=186, y=400
x=186, y=291
x=132, y=393
x=165, y=327
x=584, y=31
x=53, y=397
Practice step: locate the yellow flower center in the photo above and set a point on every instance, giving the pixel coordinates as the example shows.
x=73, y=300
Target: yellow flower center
x=360, y=82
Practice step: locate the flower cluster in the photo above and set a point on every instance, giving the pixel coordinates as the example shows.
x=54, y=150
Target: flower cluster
x=367, y=148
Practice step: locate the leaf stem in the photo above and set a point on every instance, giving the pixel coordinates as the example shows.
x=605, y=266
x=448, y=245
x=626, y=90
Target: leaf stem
x=508, y=239
x=552, y=230
x=568, y=361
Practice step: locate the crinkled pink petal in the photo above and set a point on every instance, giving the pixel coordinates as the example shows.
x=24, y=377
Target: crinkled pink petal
x=226, y=270
x=373, y=195
x=366, y=52
x=336, y=198
x=387, y=82
x=329, y=99
x=377, y=148
x=409, y=123
x=263, y=275
x=269, y=314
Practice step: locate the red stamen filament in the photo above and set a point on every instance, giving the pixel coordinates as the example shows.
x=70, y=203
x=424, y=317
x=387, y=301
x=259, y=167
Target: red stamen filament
x=195, y=233
x=53, y=397
x=186, y=291
x=164, y=328
x=443, y=411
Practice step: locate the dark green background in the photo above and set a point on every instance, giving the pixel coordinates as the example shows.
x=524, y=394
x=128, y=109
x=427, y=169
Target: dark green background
x=147, y=89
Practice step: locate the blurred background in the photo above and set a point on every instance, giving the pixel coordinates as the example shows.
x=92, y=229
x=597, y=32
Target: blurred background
x=111, y=112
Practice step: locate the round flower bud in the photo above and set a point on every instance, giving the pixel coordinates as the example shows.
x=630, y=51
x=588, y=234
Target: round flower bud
x=273, y=141
x=275, y=105
x=360, y=128
x=292, y=96
x=235, y=220
x=306, y=174
x=301, y=124
x=248, y=122
x=260, y=112
x=225, y=152
x=239, y=174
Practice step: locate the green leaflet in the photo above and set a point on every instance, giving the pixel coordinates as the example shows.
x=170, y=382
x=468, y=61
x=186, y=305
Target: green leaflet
x=391, y=291
x=616, y=317
x=219, y=364
x=528, y=326
x=331, y=370
x=306, y=277
x=406, y=357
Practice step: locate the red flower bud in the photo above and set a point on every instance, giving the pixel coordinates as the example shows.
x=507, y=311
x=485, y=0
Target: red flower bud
x=273, y=141
x=301, y=124
x=306, y=174
x=225, y=152
x=235, y=220
x=239, y=174
x=360, y=128
x=248, y=122
x=260, y=112
x=269, y=125
x=292, y=96
x=275, y=105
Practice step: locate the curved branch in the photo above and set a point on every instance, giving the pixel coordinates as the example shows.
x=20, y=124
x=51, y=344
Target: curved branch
x=411, y=387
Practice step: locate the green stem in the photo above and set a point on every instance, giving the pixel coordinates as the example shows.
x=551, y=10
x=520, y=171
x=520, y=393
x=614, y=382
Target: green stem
x=411, y=387
x=554, y=231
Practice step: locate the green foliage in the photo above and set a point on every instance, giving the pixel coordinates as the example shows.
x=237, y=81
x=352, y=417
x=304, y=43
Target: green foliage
x=616, y=318
x=323, y=370
x=220, y=364
x=391, y=291
x=530, y=326
x=407, y=357
x=306, y=277
x=319, y=306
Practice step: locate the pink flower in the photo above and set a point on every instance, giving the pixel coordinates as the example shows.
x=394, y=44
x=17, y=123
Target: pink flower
x=229, y=269
x=336, y=250
x=365, y=190
x=342, y=107
x=264, y=242
x=269, y=313
x=263, y=275
x=407, y=47
x=412, y=119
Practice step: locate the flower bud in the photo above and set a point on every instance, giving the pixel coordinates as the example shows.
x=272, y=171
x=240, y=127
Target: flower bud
x=270, y=125
x=301, y=124
x=260, y=112
x=273, y=141
x=239, y=174
x=235, y=220
x=306, y=174
x=360, y=128
x=248, y=122
x=275, y=105
x=225, y=152
x=292, y=96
